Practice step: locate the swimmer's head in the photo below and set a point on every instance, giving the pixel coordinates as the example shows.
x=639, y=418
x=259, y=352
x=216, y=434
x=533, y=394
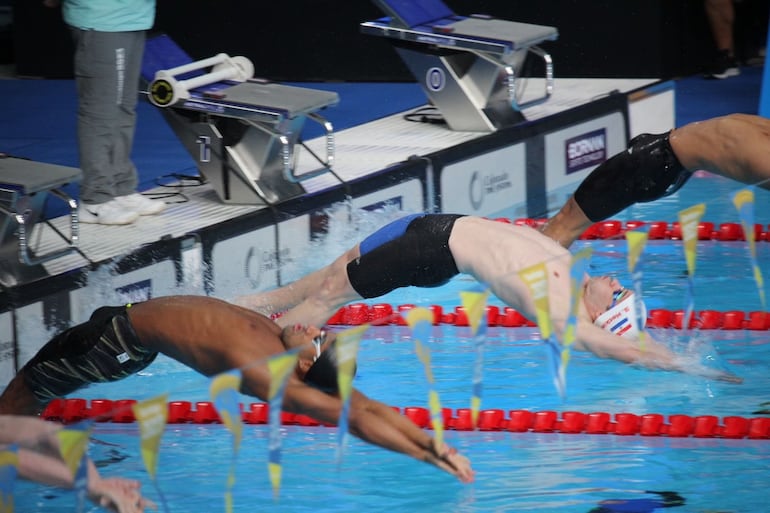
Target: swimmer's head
x=621, y=319
x=323, y=373
x=612, y=307
x=317, y=364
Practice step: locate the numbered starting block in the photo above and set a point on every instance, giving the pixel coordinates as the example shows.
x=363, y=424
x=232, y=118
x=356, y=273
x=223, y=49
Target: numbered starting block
x=468, y=66
x=244, y=133
x=24, y=187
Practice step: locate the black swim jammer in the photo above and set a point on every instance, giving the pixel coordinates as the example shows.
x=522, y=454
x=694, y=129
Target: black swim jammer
x=105, y=348
x=411, y=251
x=646, y=171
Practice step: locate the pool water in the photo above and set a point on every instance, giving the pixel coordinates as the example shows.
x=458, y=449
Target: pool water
x=515, y=471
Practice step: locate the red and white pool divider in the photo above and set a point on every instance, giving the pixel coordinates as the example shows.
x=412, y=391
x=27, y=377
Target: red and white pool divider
x=658, y=230
x=518, y=421
x=357, y=314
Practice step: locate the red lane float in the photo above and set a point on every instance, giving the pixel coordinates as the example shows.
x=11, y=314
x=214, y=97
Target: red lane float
x=382, y=314
x=74, y=410
x=658, y=230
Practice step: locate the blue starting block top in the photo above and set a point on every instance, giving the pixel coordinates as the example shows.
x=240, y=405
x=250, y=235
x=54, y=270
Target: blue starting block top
x=435, y=17
x=410, y=14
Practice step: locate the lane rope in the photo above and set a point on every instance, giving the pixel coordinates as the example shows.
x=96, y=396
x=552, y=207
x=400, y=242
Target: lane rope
x=657, y=230
x=74, y=410
x=379, y=314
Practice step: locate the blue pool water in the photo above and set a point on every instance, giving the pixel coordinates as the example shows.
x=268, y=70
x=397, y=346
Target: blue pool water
x=540, y=472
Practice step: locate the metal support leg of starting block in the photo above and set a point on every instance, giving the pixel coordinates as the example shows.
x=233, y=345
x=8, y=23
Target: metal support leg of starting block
x=249, y=157
x=24, y=187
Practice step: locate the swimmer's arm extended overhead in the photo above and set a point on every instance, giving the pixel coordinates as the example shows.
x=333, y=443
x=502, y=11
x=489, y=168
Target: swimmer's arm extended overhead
x=115, y=494
x=649, y=353
x=378, y=424
x=39, y=461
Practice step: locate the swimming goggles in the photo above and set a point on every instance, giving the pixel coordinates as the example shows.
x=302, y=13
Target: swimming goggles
x=318, y=342
x=617, y=296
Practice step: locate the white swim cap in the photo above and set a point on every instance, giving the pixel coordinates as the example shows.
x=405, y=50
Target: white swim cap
x=621, y=318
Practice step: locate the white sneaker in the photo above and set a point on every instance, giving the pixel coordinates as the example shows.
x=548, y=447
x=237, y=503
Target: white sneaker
x=110, y=212
x=140, y=204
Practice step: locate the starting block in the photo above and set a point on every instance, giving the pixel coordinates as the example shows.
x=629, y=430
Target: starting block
x=243, y=132
x=467, y=65
x=24, y=187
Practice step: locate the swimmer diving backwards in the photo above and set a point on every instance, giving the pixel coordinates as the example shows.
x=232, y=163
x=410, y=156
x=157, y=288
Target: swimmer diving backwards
x=427, y=250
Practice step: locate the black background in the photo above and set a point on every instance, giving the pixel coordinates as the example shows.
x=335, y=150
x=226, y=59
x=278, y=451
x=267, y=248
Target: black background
x=319, y=40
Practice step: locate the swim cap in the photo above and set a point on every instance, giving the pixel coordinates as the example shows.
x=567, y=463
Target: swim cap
x=323, y=373
x=621, y=318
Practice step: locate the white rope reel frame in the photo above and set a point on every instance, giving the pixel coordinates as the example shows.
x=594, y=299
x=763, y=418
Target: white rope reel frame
x=165, y=90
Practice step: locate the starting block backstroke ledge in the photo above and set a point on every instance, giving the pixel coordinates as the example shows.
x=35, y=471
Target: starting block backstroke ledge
x=242, y=132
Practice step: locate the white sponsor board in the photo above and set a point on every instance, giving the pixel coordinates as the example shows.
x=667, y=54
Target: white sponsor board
x=487, y=184
x=107, y=288
x=247, y=262
x=30, y=331
x=251, y=262
x=652, y=110
x=573, y=152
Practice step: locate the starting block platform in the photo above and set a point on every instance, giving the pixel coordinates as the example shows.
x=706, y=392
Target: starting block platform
x=24, y=187
x=243, y=132
x=468, y=66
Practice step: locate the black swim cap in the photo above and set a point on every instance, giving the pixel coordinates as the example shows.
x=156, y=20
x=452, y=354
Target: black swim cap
x=323, y=373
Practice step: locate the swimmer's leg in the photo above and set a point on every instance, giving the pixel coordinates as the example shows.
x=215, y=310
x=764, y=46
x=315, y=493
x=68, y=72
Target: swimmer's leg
x=736, y=146
x=326, y=289
x=670, y=499
x=18, y=399
x=310, y=300
x=567, y=224
x=646, y=171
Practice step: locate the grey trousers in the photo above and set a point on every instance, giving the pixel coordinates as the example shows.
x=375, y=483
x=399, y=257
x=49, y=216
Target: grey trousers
x=107, y=68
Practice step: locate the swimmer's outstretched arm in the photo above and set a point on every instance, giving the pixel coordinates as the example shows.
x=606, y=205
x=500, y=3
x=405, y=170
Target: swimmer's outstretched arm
x=39, y=461
x=115, y=494
x=649, y=353
x=378, y=424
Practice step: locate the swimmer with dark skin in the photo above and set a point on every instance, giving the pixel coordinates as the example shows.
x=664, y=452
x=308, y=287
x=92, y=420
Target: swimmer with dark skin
x=212, y=336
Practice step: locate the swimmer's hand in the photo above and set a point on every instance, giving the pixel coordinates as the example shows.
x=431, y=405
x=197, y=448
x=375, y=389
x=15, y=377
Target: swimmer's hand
x=687, y=365
x=118, y=495
x=717, y=375
x=449, y=460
